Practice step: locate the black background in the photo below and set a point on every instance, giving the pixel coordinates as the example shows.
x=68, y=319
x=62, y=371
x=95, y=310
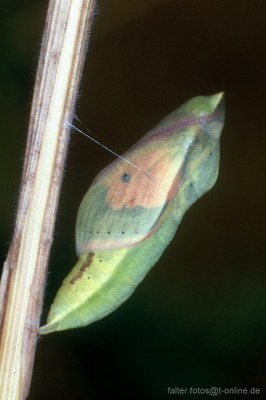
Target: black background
x=198, y=319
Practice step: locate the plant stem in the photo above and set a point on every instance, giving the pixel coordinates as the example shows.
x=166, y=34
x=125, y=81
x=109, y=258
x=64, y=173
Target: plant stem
x=21, y=293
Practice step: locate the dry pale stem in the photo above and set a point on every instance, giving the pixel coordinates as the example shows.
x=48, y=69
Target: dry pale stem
x=21, y=293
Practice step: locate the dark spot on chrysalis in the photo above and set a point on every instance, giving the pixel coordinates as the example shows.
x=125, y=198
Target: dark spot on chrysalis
x=108, y=232
x=123, y=233
x=126, y=177
x=83, y=268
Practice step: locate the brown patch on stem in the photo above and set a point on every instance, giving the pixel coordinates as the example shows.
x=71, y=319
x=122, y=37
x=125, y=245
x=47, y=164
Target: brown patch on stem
x=83, y=268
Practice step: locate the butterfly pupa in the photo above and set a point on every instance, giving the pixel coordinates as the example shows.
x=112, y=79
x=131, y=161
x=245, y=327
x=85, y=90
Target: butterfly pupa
x=132, y=210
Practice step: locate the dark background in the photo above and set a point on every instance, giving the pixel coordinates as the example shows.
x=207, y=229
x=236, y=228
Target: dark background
x=198, y=319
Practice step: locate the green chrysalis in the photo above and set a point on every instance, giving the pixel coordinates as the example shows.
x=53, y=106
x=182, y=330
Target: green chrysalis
x=132, y=210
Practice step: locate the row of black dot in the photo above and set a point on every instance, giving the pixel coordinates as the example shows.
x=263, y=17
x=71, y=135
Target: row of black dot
x=109, y=232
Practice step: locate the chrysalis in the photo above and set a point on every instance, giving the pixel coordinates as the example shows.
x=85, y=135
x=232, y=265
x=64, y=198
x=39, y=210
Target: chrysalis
x=132, y=210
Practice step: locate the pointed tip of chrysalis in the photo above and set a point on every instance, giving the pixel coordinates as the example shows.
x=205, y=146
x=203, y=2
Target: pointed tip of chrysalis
x=203, y=105
x=48, y=328
x=217, y=100
x=216, y=123
x=217, y=97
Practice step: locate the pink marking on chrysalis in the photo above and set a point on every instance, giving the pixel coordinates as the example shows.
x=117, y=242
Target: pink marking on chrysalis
x=148, y=189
